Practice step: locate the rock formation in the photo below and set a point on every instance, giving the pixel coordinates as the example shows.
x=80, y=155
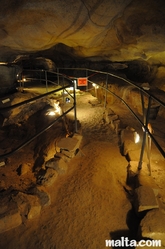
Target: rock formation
x=94, y=30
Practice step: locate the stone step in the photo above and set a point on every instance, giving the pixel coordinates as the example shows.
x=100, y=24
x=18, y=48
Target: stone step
x=70, y=143
x=57, y=164
x=152, y=226
x=141, y=177
x=145, y=199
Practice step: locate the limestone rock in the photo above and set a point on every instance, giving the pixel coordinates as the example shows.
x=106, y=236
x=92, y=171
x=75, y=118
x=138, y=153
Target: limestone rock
x=58, y=164
x=10, y=221
x=145, y=199
x=49, y=178
x=79, y=138
x=24, y=168
x=28, y=205
x=9, y=215
x=117, y=31
x=153, y=226
x=68, y=143
x=147, y=180
x=43, y=195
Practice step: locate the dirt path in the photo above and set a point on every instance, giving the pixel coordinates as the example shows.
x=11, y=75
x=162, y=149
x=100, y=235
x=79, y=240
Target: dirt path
x=89, y=204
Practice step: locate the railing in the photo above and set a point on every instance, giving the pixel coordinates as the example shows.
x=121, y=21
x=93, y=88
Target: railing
x=147, y=100
x=72, y=74
x=63, y=88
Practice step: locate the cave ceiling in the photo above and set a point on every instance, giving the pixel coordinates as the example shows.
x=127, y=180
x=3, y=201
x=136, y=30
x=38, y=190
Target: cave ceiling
x=111, y=30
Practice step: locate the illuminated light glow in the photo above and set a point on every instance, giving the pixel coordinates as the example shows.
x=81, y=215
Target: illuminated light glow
x=57, y=108
x=51, y=113
x=94, y=85
x=136, y=137
x=70, y=88
x=24, y=79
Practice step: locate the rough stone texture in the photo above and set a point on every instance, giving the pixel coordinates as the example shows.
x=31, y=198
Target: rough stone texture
x=28, y=205
x=10, y=221
x=24, y=168
x=61, y=155
x=145, y=199
x=117, y=30
x=68, y=143
x=9, y=215
x=141, y=177
x=49, y=178
x=58, y=164
x=43, y=195
x=8, y=77
x=147, y=180
x=153, y=226
x=79, y=138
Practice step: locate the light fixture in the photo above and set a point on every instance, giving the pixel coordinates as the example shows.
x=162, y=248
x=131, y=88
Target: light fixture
x=51, y=113
x=95, y=85
x=56, y=109
x=67, y=100
x=136, y=137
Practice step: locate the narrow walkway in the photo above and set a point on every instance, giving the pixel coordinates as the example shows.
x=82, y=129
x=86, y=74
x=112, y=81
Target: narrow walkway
x=89, y=204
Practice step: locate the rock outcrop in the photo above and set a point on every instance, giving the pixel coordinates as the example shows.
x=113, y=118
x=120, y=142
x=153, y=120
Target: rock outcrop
x=113, y=30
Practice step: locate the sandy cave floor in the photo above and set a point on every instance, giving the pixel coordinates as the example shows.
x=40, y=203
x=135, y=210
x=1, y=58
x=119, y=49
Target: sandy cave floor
x=88, y=203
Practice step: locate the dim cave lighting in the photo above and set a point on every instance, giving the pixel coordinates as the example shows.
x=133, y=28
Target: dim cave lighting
x=95, y=86
x=55, y=110
x=51, y=113
x=136, y=137
x=57, y=107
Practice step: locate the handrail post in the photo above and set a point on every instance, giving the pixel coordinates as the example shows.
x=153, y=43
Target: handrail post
x=58, y=80
x=75, y=112
x=46, y=79
x=105, y=101
x=86, y=74
x=145, y=136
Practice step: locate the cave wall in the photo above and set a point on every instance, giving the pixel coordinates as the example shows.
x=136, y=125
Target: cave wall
x=8, y=78
x=109, y=29
x=93, y=30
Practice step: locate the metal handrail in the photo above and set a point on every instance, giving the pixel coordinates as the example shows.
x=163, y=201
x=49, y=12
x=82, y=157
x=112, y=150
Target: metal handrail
x=146, y=112
x=118, y=77
x=32, y=99
x=35, y=136
x=144, y=124
x=50, y=125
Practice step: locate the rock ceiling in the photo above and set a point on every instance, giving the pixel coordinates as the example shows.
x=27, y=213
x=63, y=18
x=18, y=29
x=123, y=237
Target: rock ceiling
x=115, y=30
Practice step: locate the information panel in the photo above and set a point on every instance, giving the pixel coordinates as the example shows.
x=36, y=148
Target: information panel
x=82, y=82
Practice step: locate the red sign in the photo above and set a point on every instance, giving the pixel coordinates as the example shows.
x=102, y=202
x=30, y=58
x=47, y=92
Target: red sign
x=82, y=81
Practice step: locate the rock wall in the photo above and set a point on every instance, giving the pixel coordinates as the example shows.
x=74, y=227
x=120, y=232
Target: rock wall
x=113, y=30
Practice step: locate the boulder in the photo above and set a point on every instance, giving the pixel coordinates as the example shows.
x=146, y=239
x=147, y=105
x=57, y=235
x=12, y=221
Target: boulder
x=152, y=226
x=9, y=215
x=43, y=195
x=57, y=164
x=28, y=205
x=145, y=199
x=68, y=143
x=49, y=178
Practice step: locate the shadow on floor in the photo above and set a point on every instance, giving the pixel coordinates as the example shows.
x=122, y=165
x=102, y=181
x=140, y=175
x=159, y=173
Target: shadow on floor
x=123, y=238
